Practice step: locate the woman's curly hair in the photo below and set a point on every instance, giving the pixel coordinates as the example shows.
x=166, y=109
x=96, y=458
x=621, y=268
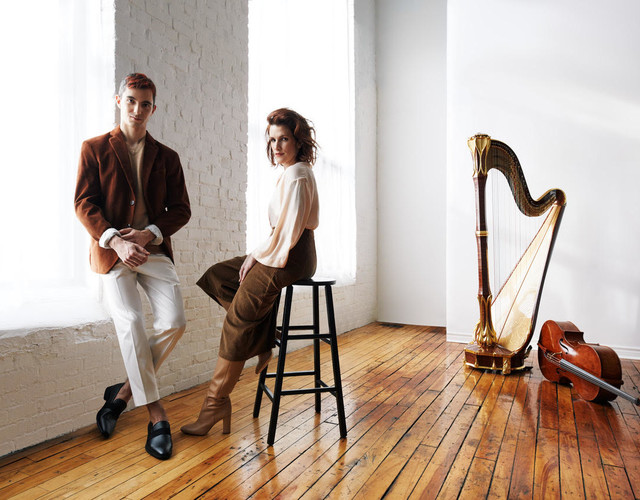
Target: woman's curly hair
x=302, y=130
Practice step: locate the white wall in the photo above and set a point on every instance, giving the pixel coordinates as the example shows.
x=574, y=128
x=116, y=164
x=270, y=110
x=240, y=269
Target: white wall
x=363, y=294
x=411, y=138
x=558, y=82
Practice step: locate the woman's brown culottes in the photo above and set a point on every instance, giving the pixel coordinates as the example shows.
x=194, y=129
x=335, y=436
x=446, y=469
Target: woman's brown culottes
x=249, y=326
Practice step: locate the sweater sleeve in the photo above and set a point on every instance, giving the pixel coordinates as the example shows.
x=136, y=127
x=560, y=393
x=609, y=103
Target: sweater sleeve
x=296, y=204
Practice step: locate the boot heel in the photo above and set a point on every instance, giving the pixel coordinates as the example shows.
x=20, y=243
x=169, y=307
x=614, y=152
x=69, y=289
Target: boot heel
x=217, y=403
x=226, y=424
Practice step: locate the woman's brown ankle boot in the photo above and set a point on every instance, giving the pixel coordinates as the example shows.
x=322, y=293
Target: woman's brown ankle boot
x=217, y=404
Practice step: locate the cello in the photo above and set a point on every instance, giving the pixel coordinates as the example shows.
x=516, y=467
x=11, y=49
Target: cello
x=594, y=370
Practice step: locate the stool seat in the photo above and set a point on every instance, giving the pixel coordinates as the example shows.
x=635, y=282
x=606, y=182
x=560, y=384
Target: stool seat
x=315, y=281
x=284, y=336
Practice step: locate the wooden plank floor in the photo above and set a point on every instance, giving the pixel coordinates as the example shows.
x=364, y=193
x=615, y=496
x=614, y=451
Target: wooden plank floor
x=420, y=425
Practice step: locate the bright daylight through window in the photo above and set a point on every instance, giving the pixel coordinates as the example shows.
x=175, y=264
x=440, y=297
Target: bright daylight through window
x=58, y=86
x=301, y=57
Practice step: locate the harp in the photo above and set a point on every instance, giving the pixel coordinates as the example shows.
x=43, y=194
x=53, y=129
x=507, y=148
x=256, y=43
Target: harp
x=504, y=330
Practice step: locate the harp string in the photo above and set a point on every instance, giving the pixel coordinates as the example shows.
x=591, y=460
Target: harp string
x=511, y=234
x=519, y=297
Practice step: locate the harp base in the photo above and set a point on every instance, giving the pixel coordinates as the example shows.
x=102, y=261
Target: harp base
x=495, y=357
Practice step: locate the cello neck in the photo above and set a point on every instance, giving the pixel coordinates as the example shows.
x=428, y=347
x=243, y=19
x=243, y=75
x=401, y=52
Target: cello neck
x=585, y=375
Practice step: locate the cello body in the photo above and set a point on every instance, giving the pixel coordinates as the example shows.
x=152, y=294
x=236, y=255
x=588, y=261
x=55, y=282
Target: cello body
x=562, y=340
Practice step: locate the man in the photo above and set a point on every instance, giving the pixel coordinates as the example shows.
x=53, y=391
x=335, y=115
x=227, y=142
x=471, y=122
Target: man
x=131, y=197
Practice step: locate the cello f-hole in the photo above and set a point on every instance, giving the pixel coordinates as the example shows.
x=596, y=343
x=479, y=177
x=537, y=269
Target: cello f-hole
x=563, y=346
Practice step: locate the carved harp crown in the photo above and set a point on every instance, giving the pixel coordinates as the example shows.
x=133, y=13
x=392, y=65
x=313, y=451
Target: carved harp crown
x=507, y=321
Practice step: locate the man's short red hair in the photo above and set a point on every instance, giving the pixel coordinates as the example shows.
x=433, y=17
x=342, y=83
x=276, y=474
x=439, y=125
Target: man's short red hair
x=137, y=81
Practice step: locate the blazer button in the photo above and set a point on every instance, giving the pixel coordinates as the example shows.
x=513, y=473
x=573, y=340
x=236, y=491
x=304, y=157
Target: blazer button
x=132, y=202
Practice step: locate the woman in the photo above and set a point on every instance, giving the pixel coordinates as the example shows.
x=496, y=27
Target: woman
x=247, y=287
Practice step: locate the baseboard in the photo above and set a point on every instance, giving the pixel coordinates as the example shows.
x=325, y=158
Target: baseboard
x=627, y=352
x=623, y=352
x=460, y=338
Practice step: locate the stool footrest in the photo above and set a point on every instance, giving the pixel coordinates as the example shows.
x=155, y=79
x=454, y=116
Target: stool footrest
x=290, y=374
x=325, y=337
x=297, y=327
x=310, y=390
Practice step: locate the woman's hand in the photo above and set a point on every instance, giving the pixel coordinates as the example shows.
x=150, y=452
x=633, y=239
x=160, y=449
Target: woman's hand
x=248, y=263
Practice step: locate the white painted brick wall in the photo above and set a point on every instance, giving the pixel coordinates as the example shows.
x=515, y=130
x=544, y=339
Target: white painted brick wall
x=196, y=52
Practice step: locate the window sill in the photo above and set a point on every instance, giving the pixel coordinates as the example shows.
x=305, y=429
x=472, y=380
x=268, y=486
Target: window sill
x=57, y=308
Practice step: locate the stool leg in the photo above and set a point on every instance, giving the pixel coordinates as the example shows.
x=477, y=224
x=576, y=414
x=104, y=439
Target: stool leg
x=337, y=379
x=277, y=390
x=316, y=345
x=258, y=401
x=263, y=374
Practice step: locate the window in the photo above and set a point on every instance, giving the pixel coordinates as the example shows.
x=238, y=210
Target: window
x=301, y=57
x=58, y=89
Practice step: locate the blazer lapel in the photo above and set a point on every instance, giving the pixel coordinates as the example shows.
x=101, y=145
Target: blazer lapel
x=150, y=152
x=120, y=148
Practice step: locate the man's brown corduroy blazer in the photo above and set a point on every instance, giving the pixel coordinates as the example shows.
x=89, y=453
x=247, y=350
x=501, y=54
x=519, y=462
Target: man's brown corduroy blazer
x=105, y=193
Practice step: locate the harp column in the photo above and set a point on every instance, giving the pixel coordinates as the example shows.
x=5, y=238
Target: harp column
x=485, y=351
x=485, y=335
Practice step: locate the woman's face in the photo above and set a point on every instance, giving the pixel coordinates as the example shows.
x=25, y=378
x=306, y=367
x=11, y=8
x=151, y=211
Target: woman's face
x=283, y=145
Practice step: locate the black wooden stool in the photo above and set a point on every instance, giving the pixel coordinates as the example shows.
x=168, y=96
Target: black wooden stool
x=319, y=386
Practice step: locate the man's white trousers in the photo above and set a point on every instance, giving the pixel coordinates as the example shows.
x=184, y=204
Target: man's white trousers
x=143, y=355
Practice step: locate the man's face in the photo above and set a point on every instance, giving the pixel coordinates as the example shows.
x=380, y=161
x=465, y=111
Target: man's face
x=136, y=107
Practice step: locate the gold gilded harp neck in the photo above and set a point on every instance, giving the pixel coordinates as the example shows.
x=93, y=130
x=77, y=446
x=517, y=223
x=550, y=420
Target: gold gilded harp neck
x=479, y=145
